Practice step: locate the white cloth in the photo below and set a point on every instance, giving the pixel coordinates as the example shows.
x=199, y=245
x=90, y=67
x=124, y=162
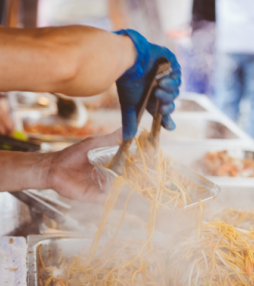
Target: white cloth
x=13, y=268
x=235, y=26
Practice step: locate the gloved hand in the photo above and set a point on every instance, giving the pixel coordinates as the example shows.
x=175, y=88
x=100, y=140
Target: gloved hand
x=133, y=82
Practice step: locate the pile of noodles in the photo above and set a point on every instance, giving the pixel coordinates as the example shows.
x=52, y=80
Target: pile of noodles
x=148, y=173
x=220, y=255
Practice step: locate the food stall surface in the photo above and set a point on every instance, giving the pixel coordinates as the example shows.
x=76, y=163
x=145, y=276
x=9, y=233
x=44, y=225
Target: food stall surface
x=200, y=128
x=13, y=213
x=13, y=262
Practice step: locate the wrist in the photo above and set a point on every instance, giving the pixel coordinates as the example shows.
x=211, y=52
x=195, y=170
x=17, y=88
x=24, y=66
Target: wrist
x=41, y=165
x=126, y=53
x=36, y=168
x=20, y=171
x=136, y=71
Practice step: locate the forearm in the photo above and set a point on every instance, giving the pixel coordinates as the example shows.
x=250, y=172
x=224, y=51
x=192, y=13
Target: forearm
x=75, y=60
x=20, y=171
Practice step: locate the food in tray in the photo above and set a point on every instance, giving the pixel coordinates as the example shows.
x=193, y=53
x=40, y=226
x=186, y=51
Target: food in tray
x=152, y=176
x=238, y=218
x=116, y=264
x=64, y=130
x=222, y=164
x=126, y=262
x=220, y=255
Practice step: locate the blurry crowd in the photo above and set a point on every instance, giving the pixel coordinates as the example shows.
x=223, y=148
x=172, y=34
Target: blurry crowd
x=218, y=60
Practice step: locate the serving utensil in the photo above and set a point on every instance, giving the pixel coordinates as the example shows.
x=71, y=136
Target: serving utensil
x=161, y=68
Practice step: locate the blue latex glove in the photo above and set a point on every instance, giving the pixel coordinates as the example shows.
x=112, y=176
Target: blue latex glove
x=133, y=82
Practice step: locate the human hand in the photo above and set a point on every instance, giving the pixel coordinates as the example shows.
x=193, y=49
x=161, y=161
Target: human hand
x=6, y=123
x=70, y=173
x=133, y=82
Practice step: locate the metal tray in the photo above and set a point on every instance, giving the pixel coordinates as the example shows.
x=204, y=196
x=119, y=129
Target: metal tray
x=189, y=126
x=193, y=102
x=196, y=128
x=57, y=244
x=188, y=105
x=69, y=246
x=38, y=117
x=199, y=129
x=190, y=154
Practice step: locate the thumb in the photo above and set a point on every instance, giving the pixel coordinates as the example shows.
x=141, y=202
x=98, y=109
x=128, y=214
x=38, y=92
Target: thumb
x=129, y=122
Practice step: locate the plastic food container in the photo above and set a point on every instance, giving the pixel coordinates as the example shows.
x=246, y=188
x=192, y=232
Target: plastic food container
x=168, y=221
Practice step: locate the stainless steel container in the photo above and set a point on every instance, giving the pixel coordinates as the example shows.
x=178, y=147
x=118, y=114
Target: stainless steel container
x=192, y=102
x=34, y=117
x=191, y=155
x=70, y=246
x=192, y=127
x=57, y=244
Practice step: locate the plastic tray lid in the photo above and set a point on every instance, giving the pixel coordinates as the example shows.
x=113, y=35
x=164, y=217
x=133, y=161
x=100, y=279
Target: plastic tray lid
x=167, y=221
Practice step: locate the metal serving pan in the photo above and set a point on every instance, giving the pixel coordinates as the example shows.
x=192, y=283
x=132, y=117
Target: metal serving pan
x=57, y=244
x=191, y=154
x=199, y=129
x=188, y=105
x=193, y=102
x=189, y=127
x=70, y=245
x=34, y=117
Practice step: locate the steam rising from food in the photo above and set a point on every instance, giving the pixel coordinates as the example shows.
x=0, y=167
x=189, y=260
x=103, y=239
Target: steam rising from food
x=135, y=261
x=213, y=254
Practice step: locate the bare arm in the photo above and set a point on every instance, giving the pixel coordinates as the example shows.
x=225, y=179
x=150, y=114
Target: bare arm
x=74, y=60
x=68, y=171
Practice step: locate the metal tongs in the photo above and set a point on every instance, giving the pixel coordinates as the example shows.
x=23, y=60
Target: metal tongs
x=161, y=68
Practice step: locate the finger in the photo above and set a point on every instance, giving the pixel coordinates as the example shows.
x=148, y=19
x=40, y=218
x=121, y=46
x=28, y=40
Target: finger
x=167, y=108
x=166, y=97
x=168, y=123
x=129, y=122
x=170, y=83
